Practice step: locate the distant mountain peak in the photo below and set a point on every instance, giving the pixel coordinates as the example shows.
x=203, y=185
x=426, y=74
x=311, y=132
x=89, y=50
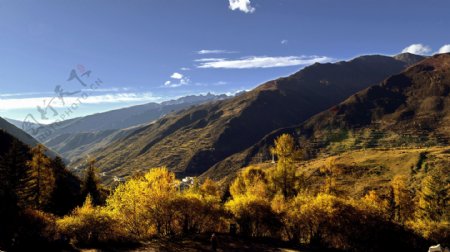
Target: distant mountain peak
x=409, y=58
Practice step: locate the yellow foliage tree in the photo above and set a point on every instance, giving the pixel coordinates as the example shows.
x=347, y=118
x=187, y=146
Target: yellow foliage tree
x=331, y=171
x=198, y=212
x=254, y=215
x=210, y=188
x=144, y=204
x=128, y=205
x=403, y=204
x=89, y=224
x=291, y=215
x=284, y=178
x=152, y=204
x=375, y=205
x=252, y=181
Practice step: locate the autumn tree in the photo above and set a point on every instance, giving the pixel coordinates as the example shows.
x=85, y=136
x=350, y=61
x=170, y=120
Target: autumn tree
x=128, y=205
x=252, y=181
x=40, y=181
x=199, y=209
x=210, y=188
x=254, y=215
x=284, y=176
x=402, y=199
x=330, y=171
x=434, y=197
x=145, y=204
x=89, y=224
x=250, y=203
x=291, y=215
x=375, y=204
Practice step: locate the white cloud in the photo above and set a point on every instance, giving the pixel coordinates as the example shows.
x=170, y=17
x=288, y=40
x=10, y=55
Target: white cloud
x=180, y=83
x=185, y=69
x=88, y=90
x=284, y=41
x=179, y=80
x=215, y=51
x=23, y=94
x=176, y=76
x=242, y=5
x=101, y=90
x=32, y=103
x=444, y=49
x=419, y=49
x=264, y=62
x=209, y=59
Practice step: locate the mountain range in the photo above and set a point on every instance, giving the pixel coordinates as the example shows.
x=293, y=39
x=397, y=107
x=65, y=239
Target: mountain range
x=371, y=101
x=192, y=141
x=77, y=137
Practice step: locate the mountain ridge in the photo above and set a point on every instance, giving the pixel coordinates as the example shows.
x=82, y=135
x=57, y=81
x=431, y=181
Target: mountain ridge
x=207, y=134
x=393, y=113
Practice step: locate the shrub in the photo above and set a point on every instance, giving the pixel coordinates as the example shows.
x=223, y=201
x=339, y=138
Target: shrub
x=88, y=225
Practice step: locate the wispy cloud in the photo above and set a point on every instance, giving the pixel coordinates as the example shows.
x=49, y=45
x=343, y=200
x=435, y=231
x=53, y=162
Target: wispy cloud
x=444, y=49
x=417, y=49
x=32, y=103
x=209, y=59
x=177, y=80
x=105, y=90
x=23, y=94
x=34, y=94
x=284, y=41
x=215, y=51
x=241, y=5
x=263, y=62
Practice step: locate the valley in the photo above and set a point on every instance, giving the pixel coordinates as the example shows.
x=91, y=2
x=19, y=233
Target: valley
x=225, y=126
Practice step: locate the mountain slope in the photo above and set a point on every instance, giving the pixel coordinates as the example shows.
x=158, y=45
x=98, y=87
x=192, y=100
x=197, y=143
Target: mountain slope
x=79, y=145
x=77, y=137
x=19, y=124
x=17, y=133
x=192, y=141
x=411, y=109
x=125, y=117
x=21, y=135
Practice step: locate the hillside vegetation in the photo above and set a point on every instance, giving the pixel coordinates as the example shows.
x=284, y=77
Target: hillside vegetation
x=324, y=203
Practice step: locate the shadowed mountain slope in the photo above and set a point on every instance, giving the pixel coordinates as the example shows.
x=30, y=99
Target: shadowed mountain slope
x=410, y=109
x=17, y=133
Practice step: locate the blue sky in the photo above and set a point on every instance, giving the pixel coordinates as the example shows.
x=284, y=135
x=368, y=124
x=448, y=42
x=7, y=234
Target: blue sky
x=155, y=50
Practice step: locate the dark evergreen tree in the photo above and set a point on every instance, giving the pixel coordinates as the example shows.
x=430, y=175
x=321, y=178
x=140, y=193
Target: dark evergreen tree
x=67, y=192
x=39, y=182
x=91, y=184
x=13, y=158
